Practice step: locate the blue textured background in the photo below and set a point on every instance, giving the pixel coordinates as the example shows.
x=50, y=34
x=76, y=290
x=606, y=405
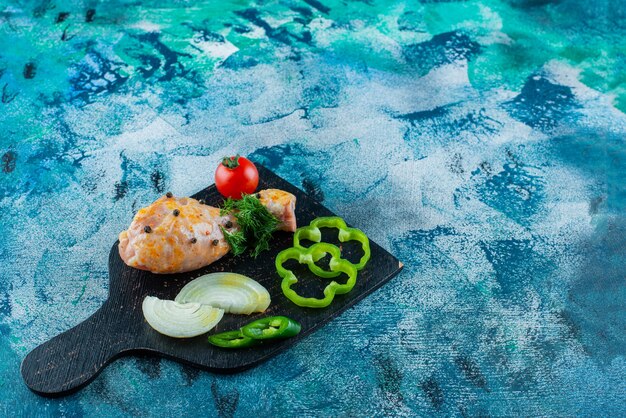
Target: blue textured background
x=481, y=142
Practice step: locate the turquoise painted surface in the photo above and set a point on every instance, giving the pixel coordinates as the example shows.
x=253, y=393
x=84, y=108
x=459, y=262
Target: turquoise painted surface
x=482, y=142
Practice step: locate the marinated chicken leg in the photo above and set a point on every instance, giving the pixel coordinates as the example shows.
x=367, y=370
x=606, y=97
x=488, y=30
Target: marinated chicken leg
x=175, y=235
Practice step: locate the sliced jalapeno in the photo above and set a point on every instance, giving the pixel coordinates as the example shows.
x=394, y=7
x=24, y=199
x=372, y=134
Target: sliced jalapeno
x=271, y=327
x=231, y=339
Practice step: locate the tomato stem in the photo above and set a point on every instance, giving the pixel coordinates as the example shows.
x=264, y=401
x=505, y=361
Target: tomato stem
x=231, y=162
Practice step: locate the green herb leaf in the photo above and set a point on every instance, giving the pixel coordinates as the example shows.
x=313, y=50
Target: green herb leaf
x=236, y=240
x=256, y=225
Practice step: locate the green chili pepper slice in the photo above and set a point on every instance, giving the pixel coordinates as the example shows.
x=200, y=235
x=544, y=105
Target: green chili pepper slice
x=309, y=256
x=312, y=233
x=271, y=327
x=231, y=339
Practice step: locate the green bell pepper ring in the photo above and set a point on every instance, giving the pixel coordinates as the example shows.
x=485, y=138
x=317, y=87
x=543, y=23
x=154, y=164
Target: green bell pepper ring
x=308, y=256
x=271, y=327
x=313, y=233
x=232, y=339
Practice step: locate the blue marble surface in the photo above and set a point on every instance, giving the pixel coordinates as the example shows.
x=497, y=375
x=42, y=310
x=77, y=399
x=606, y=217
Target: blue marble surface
x=481, y=142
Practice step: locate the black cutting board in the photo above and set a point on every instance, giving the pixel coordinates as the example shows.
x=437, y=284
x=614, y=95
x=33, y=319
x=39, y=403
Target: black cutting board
x=74, y=358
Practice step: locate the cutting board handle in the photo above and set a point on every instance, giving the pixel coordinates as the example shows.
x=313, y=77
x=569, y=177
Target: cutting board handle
x=72, y=359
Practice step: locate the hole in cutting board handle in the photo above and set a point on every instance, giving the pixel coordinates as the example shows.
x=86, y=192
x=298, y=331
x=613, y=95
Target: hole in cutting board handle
x=74, y=358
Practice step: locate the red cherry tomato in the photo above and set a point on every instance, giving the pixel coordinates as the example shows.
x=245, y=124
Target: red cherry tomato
x=236, y=175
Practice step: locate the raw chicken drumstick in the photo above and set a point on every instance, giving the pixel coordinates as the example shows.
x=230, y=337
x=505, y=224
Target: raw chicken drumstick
x=175, y=235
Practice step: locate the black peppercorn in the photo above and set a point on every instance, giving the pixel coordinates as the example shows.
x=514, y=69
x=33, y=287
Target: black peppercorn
x=176, y=212
x=194, y=240
x=202, y=202
x=147, y=229
x=228, y=224
x=169, y=194
x=216, y=241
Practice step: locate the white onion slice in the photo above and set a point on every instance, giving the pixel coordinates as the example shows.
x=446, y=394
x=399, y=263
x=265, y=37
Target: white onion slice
x=180, y=320
x=235, y=293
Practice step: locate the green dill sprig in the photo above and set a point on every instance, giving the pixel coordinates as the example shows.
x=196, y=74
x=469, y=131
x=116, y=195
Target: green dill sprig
x=236, y=240
x=256, y=225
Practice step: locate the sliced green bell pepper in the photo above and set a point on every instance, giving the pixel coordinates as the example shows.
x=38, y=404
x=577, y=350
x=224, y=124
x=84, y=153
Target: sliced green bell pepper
x=232, y=339
x=312, y=233
x=271, y=327
x=308, y=256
